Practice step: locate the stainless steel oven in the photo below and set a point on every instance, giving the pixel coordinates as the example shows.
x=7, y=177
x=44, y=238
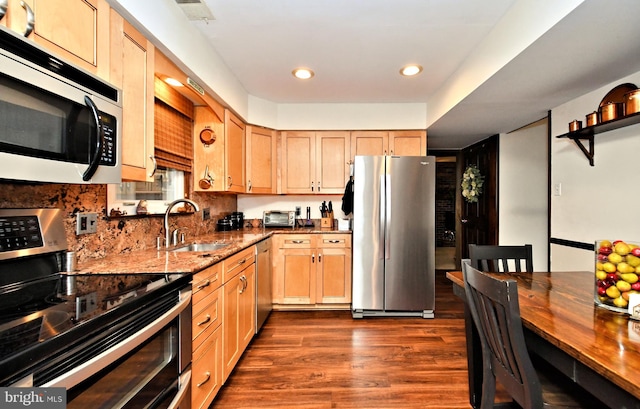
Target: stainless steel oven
x=113, y=341
x=58, y=123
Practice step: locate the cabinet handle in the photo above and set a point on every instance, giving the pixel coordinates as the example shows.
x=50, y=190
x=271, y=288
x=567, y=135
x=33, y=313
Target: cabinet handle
x=319, y=257
x=155, y=165
x=205, y=284
x=334, y=241
x=207, y=319
x=313, y=257
x=312, y=186
x=230, y=181
x=249, y=185
x=244, y=260
x=318, y=186
x=31, y=19
x=208, y=376
x=4, y=5
x=297, y=241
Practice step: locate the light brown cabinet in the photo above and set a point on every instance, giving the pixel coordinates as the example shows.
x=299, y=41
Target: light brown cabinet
x=234, y=135
x=206, y=367
x=75, y=30
x=239, y=304
x=401, y=143
x=261, y=160
x=315, y=162
x=311, y=270
x=132, y=70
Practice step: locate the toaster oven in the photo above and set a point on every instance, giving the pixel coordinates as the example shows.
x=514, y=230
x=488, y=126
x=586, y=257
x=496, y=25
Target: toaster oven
x=279, y=218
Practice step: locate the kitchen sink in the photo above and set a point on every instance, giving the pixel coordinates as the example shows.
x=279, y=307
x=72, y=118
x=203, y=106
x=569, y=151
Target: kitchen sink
x=202, y=247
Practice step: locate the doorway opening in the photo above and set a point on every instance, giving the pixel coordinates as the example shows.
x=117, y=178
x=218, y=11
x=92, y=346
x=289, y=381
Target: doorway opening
x=445, y=209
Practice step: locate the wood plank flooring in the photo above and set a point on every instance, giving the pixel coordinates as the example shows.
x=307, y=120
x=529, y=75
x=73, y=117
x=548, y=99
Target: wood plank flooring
x=326, y=359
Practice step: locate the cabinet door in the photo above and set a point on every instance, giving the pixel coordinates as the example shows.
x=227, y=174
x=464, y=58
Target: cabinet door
x=132, y=66
x=247, y=308
x=334, y=269
x=234, y=153
x=298, y=162
x=408, y=143
x=206, y=370
x=231, y=309
x=296, y=279
x=332, y=157
x=76, y=30
x=261, y=160
x=208, y=158
x=370, y=143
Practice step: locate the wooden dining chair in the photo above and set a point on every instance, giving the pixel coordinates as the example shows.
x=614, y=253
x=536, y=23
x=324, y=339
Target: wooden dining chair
x=501, y=258
x=495, y=310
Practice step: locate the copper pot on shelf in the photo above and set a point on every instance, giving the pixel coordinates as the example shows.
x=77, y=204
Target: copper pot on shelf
x=575, y=125
x=632, y=102
x=610, y=111
x=592, y=118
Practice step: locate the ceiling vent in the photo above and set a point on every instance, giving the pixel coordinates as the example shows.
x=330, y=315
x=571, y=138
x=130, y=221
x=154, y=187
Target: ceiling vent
x=195, y=10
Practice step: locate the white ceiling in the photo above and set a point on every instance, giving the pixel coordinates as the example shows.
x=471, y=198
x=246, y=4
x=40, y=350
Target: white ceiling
x=357, y=47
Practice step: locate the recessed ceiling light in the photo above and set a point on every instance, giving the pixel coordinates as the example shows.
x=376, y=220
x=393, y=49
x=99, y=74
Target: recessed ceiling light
x=302, y=73
x=411, y=70
x=173, y=81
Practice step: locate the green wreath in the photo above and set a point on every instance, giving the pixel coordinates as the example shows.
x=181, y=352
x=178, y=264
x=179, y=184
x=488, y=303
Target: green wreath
x=472, y=182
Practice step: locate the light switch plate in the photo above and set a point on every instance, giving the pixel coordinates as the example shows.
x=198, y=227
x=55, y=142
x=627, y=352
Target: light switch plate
x=86, y=223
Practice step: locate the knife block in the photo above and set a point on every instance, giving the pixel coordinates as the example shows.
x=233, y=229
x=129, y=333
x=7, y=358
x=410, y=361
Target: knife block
x=327, y=222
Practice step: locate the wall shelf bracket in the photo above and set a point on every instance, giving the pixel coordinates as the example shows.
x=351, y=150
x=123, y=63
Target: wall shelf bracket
x=588, y=153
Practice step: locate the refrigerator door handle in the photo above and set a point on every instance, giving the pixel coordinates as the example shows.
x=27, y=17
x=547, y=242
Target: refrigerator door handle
x=381, y=224
x=387, y=230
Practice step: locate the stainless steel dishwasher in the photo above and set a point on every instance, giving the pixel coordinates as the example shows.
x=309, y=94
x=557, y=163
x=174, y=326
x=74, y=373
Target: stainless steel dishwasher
x=264, y=302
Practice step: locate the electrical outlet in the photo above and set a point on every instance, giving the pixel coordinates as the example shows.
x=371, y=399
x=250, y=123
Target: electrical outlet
x=206, y=213
x=86, y=223
x=298, y=211
x=557, y=189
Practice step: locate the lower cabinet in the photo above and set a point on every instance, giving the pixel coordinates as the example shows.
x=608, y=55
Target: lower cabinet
x=206, y=365
x=312, y=270
x=239, y=304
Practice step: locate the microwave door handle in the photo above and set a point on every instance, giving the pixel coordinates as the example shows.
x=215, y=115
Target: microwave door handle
x=97, y=155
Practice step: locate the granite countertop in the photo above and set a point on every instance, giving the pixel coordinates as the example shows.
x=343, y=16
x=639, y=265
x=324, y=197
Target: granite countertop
x=166, y=261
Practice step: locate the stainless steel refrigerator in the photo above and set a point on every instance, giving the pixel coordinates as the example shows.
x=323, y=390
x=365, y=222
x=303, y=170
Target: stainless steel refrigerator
x=393, y=236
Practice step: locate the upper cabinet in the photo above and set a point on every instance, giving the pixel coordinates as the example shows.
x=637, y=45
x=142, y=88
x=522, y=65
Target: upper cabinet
x=401, y=143
x=132, y=70
x=76, y=30
x=234, y=135
x=261, y=160
x=315, y=162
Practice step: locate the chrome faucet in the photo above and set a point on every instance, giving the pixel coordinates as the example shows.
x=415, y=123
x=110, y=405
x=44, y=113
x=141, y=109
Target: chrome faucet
x=167, y=234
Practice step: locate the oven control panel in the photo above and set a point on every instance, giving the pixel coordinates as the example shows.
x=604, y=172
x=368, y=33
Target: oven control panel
x=19, y=232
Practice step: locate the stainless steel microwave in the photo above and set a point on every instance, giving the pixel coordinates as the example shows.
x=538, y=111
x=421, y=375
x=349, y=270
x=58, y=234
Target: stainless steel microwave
x=58, y=123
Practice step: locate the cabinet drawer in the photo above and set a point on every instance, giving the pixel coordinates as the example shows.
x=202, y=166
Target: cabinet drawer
x=205, y=282
x=207, y=318
x=334, y=240
x=297, y=241
x=236, y=263
x=206, y=370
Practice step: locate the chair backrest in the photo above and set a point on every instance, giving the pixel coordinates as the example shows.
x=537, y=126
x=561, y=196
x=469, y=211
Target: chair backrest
x=501, y=258
x=493, y=304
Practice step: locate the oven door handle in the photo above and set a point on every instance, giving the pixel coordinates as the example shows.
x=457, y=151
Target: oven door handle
x=106, y=358
x=185, y=386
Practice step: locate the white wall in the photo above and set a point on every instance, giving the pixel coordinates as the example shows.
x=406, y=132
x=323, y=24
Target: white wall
x=253, y=205
x=598, y=202
x=522, y=211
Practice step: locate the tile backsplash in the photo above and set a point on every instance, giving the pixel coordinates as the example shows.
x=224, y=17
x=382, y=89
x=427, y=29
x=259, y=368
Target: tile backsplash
x=114, y=235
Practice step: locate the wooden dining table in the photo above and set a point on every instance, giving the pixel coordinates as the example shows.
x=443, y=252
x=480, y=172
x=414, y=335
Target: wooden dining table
x=597, y=348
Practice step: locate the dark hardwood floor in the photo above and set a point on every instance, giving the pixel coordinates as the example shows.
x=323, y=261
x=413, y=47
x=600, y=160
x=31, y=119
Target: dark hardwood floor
x=326, y=359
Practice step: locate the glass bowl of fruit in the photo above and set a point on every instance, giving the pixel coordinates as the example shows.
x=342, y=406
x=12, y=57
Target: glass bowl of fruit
x=617, y=273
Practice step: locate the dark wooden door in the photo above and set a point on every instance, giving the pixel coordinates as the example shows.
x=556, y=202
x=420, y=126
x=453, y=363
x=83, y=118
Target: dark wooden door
x=478, y=221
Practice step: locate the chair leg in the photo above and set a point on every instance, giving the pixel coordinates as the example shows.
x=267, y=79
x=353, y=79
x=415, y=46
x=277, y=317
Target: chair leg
x=488, y=387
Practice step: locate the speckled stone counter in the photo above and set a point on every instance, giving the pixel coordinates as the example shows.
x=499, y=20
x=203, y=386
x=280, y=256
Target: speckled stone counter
x=167, y=261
